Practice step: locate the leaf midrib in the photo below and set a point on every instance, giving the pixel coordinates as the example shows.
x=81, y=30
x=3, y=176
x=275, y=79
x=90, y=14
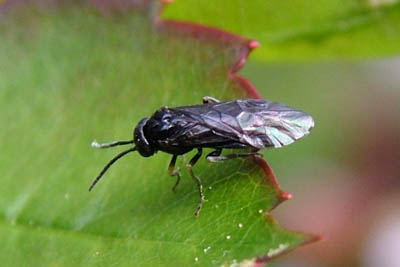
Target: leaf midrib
x=93, y=237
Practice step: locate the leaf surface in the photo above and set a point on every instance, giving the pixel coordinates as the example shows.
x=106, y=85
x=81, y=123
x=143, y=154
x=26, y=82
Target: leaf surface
x=70, y=75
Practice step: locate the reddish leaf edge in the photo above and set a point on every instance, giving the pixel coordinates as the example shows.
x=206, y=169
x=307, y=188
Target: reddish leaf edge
x=217, y=36
x=262, y=261
x=282, y=196
x=202, y=33
x=212, y=34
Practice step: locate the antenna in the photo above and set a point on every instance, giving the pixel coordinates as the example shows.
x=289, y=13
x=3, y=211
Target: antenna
x=110, y=144
x=120, y=155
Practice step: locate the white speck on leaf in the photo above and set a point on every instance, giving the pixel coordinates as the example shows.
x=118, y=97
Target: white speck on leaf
x=245, y=263
x=260, y=211
x=228, y=237
x=240, y=225
x=206, y=249
x=275, y=251
x=196, y=259
x=210, y=187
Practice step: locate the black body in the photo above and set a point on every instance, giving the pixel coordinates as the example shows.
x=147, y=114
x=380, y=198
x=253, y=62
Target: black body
x=235, y=124
x=244, y=123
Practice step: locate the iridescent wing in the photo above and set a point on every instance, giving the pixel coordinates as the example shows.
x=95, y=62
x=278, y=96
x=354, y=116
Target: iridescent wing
x=273, y=124
x=251, y=122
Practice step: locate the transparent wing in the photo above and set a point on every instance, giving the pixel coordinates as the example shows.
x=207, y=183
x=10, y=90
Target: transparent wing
x=271, y=124
x=252, y=122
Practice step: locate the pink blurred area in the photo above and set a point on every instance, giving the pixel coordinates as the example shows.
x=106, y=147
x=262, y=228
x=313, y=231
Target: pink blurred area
x=352, y=198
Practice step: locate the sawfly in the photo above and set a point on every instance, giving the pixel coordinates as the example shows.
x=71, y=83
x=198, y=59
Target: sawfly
x=250, y=124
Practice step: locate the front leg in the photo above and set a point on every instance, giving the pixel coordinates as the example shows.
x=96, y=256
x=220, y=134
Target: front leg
x=174, y=172
x=210, y=100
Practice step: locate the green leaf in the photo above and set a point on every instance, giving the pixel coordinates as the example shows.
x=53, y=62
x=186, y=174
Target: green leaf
x=303, y=30
x=69, y=75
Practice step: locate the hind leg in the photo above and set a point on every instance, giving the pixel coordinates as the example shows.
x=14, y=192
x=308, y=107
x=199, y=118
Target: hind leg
x=197, y=180
x=215, y=156
x=210, y=100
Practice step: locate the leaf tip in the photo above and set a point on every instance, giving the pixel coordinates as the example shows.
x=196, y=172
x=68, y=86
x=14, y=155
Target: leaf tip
x=286, y=196
x=253, y=44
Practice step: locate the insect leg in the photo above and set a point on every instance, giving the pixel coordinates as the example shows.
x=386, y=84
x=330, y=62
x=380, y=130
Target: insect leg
x=173, y=172
x=196, y=179
x=210, y=99
x=215, y=156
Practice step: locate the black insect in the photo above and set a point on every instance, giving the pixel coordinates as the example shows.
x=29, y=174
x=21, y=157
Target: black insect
x=243, y=123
